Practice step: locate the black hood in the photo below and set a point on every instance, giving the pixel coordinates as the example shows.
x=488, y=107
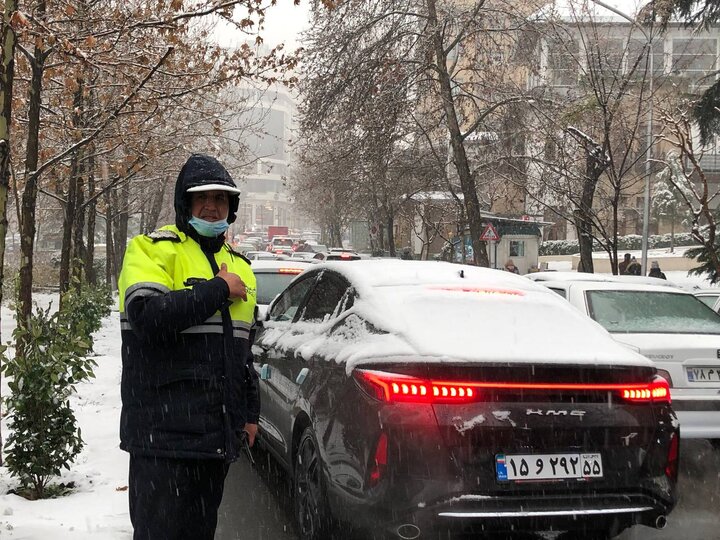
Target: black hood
x=198, y=170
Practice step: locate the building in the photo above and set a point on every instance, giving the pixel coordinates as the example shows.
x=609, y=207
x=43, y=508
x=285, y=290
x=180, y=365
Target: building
x=271, y=116
x=598, y=48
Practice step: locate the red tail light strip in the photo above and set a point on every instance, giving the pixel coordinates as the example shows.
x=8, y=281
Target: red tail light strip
x=398, y=387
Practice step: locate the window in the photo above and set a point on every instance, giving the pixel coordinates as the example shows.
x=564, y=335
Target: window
x=708, y=300
x=693, y=57
x=325, y=298
x=636, y=53
x=562, y=62
x=287, y=305
x=647, y=312
x=606, y=58
x=561, y=292
x=270, y=284
x=517, y=248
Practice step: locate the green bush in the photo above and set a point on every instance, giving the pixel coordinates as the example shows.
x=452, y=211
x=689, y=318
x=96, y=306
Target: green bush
x=42, y=376
x=625, y=243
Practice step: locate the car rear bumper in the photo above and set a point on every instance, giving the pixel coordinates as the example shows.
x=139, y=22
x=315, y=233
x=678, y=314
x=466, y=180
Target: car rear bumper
x=476, y=514
x=698, y=424
x=698, y=413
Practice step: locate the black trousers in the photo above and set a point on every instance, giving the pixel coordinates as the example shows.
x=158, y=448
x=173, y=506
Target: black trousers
x=175, y=499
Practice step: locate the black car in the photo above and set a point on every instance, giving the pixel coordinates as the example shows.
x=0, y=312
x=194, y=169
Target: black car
x=415, y=398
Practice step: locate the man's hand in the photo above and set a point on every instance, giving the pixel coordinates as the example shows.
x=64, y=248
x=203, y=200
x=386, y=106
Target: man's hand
x=251, y=430
x=235, y=284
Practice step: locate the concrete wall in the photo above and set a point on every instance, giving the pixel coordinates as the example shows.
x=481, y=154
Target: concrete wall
x=602, y=265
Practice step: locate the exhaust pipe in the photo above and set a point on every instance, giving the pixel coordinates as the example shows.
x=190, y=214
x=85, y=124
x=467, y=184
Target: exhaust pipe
x=660, y=522
x=408, y=531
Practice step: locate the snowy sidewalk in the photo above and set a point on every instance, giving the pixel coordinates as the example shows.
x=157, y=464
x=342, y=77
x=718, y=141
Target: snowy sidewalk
x=98, y=506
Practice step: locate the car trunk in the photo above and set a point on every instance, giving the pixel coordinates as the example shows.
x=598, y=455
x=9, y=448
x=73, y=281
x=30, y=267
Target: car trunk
x=557, y=439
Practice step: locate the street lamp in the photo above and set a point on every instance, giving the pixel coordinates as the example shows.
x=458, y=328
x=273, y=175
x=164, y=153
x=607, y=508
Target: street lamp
x=646, y=202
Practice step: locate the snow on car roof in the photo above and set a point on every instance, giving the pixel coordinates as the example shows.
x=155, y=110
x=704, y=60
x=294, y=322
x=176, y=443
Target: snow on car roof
x=581, y=276
x=618, y=285
x=452, y=313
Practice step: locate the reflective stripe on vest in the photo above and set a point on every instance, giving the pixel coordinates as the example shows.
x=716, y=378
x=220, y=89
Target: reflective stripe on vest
x=152, y=268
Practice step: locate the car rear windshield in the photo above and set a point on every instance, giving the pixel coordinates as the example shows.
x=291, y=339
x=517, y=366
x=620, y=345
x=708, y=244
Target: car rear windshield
x=282, y=242
x=652, y=312
x=269, y=285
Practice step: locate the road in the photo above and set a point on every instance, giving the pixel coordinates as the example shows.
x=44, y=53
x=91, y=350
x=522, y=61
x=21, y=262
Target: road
x=257, y=504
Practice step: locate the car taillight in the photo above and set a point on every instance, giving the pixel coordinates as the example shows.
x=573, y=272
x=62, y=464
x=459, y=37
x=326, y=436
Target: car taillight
x=397, y=387
x=671, y=469
x=290, y=270
x=658, y=391
x=379, y=465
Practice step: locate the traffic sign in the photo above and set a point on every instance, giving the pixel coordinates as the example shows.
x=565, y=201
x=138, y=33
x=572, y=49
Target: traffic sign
x=490, y=234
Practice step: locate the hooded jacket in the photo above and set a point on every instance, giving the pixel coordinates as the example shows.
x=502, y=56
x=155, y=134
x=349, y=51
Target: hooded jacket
x=188, y=386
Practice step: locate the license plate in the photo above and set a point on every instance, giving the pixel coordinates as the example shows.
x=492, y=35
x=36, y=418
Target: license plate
x=702, y=374
x=547, y=466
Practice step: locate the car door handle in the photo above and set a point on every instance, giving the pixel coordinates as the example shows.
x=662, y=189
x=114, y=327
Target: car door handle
x=265, y=372
x=302, y=375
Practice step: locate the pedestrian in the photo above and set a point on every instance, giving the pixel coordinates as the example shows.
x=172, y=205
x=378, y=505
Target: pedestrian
x=622, y=267
x=510, y=267
x=633, y=269
x=655, y=271
x=190, y=400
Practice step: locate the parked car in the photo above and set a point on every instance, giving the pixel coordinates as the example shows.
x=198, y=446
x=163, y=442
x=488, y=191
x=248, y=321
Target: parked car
x=337, y=255
x=671, y=327
x=410, y=398
x=302, y=255
x=264, y=256
x=244, y=247
x=273, y=277
x=582, y=276
x=282, y=244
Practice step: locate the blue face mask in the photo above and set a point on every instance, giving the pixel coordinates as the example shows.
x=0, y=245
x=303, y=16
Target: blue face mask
x=209, y=229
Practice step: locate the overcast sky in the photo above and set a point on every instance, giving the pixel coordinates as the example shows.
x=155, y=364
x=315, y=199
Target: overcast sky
x=283, y=23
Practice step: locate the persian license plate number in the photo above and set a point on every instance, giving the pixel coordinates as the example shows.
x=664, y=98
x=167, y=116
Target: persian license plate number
x=547, y=466
x=702, y=374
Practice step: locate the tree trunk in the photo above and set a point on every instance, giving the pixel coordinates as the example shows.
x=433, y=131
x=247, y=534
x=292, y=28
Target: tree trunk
x=71, y=204
x=121, y=228
x=391, y=234
x=7, y=69
x=91, y=212
x=78, y=226
x=29, y=196
x=467, y=184
x=68, y=219
x=583, y=214
x=111, y=273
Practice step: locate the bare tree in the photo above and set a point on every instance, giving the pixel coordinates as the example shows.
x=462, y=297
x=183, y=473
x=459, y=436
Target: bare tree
x=695, y=190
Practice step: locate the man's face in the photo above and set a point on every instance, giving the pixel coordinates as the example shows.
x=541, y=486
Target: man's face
x=210, y=205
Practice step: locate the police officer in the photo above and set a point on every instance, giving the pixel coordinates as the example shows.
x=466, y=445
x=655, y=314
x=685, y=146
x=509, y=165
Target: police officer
x=189, y=393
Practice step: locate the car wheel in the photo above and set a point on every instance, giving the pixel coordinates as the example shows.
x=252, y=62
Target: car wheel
x=309, y=497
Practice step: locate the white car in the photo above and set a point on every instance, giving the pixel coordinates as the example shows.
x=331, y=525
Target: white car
x=582, y=276
x=669, y=326
x=272, y=277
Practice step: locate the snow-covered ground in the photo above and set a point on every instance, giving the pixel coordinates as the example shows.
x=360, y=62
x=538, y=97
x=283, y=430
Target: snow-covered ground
x=98, y=509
